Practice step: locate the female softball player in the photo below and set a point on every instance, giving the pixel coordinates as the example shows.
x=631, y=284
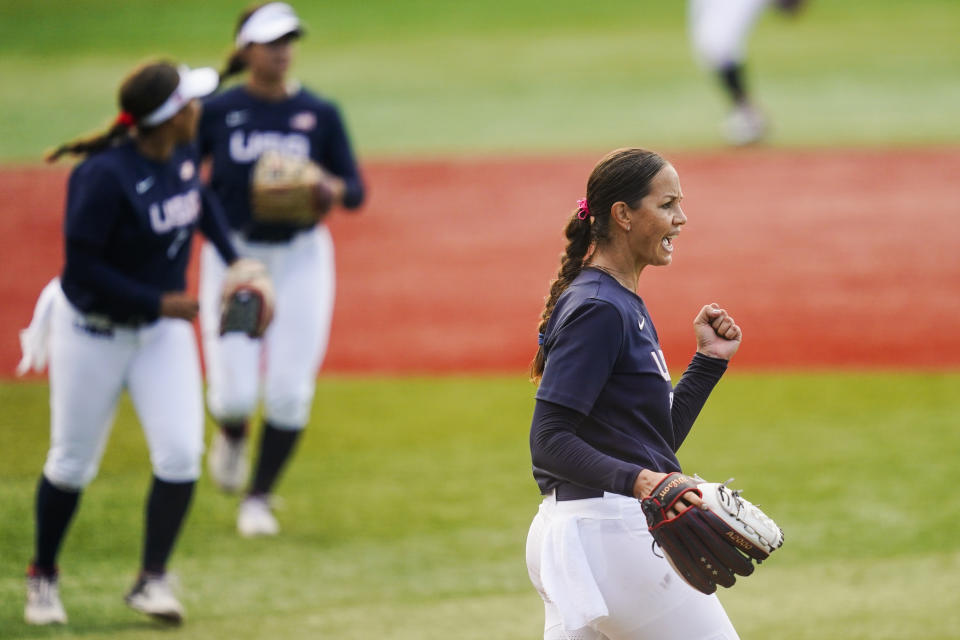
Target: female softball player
x=718, y=33
x=268, y=112
x=120, y=319
x=607, y=421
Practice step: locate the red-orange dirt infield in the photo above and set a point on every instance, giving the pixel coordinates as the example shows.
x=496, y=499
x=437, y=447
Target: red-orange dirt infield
x=825, y=258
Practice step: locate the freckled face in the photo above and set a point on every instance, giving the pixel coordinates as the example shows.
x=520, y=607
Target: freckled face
x=657, y=221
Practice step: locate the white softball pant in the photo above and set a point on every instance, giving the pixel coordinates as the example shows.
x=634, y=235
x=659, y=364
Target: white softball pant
x=286, y=360
x=157, y=363
x=719, y=29
x=593, y=564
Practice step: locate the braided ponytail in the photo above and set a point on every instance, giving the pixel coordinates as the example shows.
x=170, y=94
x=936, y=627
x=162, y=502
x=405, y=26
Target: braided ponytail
x=93, y=144
x=145, y=89
x=622, y=175
x=578, y=237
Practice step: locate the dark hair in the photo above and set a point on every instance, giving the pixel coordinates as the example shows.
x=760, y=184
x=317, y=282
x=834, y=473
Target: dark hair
x=145, y=89
x=623, y=175
x=235, y=61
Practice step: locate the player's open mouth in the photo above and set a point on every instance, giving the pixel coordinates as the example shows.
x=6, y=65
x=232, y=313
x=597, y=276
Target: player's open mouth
x=667, y=243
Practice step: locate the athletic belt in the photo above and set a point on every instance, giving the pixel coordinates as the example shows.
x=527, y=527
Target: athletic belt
x=103, y=325
x=567, y=491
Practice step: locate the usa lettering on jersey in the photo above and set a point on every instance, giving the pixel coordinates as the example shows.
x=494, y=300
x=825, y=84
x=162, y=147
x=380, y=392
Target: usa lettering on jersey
x=179, y=211
x=246, y=147
x=661, y=362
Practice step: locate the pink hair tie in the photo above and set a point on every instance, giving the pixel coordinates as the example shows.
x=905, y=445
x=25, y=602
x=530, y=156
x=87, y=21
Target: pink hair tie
x=582, y=209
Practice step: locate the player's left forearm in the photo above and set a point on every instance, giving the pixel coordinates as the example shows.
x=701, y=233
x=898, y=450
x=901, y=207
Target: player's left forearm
x=691, y=393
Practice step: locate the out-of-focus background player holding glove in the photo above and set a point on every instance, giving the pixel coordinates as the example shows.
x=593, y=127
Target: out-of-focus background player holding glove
x=718, y=33
x=281, y=160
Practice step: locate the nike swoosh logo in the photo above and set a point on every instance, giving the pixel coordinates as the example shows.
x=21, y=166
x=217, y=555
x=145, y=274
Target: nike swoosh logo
x=235, y=118
x=643, y=321
x=144, y=185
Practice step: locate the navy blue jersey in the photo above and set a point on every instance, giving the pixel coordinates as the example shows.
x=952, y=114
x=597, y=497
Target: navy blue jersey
x=236, y=127
x=604, y=361
x=128, y=225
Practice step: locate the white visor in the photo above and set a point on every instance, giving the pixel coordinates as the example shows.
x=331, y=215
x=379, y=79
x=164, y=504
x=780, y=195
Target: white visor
x=194, y=83
x=268, y=23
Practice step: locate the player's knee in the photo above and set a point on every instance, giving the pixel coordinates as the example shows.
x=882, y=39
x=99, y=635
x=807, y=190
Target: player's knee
x=70, y=474
x=69, y=470
x=715, y=50
x=233, y=411
x=288, y=408
x=180, y=463
x=234, y=403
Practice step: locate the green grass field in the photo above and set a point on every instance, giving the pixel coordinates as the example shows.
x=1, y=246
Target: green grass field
x=406, y=511
x=429, y=76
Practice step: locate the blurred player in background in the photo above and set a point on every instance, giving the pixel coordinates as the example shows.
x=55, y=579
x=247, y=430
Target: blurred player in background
x=119, y=318
x=607, y=421
x=269, y=112
x=718, y=31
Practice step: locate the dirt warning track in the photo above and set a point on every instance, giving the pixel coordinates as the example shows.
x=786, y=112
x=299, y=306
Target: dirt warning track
x=825, y=258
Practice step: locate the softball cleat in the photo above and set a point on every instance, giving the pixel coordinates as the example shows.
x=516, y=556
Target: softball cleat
x=745, y=125
x=43, y=601
x=256, y=518
x=227, y=462
x=153, y=595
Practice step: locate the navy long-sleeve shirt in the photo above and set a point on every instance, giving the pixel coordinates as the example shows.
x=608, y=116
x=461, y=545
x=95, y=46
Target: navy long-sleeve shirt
x=236, y=127
x=606, y=407
x=128, y=226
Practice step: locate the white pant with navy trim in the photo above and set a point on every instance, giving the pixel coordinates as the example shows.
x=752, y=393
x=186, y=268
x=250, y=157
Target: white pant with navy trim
x=593, y=564
x=286, y=360
x=719, y=29
x=91, y=365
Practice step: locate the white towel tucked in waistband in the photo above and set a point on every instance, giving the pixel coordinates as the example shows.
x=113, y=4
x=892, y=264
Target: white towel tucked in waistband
x=35, y=339
x=567, y=578
x=565, y=570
